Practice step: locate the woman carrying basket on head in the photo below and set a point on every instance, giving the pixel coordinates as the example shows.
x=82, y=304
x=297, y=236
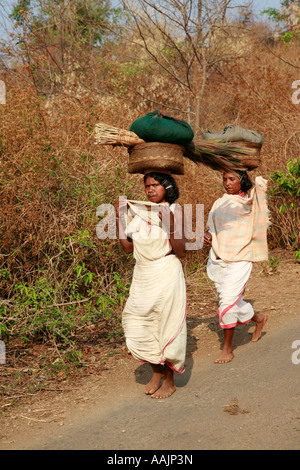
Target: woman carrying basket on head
x=154, y=317
x=237, y=232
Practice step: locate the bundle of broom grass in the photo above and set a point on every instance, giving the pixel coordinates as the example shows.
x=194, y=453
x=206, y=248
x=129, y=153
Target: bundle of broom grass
x=219, y=156
x=109, y=135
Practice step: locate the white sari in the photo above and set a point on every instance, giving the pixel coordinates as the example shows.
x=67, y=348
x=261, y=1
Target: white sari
x=230, y=280
x=154, y=317
x=238, y=226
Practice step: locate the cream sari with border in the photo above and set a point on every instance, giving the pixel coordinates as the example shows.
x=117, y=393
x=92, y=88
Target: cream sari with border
x=238, y=226
x=154, y=317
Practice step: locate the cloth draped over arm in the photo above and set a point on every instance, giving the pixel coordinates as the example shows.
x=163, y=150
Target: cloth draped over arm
x=239, y=225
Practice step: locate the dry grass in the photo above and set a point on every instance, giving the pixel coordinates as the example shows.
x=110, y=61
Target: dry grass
x=54, y=176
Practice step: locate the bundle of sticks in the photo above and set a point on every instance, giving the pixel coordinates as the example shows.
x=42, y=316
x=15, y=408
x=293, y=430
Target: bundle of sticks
x=109, y=135
x=219, y=156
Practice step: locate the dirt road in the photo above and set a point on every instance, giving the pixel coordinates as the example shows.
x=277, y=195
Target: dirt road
x=251, y=403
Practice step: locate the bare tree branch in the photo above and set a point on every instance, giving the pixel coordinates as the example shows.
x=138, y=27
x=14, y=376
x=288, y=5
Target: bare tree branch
x=181, y=37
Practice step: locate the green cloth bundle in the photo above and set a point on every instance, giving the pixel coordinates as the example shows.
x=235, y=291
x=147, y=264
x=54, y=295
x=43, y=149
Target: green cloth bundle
x=156, y=127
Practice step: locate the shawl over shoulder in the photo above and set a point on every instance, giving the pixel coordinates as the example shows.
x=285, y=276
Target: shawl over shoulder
x=239, y=225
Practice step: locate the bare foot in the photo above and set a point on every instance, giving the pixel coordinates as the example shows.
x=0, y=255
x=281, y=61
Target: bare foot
x=258, y=330
x=153, y=385
x=225, y=357
x=165, y=391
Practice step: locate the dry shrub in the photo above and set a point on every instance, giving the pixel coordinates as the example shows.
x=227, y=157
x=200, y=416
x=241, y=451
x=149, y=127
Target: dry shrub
x=255, y=93
x=54, y=176
x=53, y=180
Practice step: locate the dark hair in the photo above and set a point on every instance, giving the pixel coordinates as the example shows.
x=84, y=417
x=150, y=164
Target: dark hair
x=245, y=181
x=168, y=182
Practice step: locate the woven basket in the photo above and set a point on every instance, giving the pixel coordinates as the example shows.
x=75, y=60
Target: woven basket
x=253, y=159
x=156, y=156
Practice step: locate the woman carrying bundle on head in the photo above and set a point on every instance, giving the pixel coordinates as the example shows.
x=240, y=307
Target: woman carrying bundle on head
x=154, y=317
x=237, y=232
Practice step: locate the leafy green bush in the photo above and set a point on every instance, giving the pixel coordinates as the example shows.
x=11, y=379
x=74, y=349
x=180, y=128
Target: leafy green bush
x=284, y=205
